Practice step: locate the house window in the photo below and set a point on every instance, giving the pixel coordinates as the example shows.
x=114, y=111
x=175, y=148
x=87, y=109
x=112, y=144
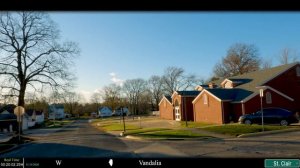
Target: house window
x=268, y=98
x=204, y=99
x=298, y=71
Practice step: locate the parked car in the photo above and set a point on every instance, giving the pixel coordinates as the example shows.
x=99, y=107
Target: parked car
x=271, y=116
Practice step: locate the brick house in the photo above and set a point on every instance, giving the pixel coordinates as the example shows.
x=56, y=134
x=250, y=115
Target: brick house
x=225, y=100
x=166, y=108
x=182, y=107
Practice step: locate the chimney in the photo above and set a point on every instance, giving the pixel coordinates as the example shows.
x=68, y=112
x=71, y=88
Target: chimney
x=211, y=85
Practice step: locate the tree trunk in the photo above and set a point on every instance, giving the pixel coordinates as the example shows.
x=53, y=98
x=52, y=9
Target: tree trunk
x=21, y=100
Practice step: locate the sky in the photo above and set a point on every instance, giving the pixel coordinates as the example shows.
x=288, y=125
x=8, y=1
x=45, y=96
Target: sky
x=116, y=46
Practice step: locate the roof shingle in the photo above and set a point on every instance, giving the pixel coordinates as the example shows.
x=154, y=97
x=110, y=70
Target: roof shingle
x=248, y=82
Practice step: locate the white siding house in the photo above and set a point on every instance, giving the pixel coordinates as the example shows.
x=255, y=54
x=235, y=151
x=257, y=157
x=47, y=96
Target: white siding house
x=104, y=112
x=40, y=118
x=118, y=111
x=35, y=117
x=56, y=111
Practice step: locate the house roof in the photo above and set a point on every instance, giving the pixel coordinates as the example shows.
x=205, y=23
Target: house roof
x=101, y=108
x=234, y=94
x=188, y=93
x=9, y=107
x=57, y=105
x=30, y=112
x=169, y=98
x=249, y=82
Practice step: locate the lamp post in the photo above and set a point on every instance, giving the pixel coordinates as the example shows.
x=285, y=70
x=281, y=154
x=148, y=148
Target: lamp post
x=261, y=95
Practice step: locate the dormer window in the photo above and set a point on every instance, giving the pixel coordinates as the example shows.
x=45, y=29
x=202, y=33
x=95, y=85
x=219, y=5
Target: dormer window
x=298, y=71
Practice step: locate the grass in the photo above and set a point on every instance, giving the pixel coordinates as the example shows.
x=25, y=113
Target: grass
x=173, y=134
x=144, y=130
x=238, y=129
x=117, y=127
x=57, y=123
x=194, y=124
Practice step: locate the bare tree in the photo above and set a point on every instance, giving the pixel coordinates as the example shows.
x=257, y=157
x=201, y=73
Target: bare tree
x=55, y=98
x=72, y=102
x=134, y=88
x=266, y=64
x=155, y=84
x=174, y=78
x=288, y=55
x=241, y=58
x=32, y=55
x=96, y=99
x=112, y=96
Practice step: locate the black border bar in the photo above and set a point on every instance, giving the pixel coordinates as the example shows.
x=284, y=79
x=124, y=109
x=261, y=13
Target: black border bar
x=136, y=162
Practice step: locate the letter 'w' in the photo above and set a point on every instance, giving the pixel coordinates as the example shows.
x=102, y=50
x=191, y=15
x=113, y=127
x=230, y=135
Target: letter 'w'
x=58, y=162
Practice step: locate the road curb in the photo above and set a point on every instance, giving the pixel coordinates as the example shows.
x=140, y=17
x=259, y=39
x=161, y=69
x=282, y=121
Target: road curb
x=161, y=139
x=268, y=133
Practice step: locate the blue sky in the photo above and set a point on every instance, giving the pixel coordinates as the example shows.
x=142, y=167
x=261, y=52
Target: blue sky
x=116, y=46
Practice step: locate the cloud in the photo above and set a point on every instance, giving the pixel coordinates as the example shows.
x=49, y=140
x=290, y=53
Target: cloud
x=115, y=79
x=88, y=94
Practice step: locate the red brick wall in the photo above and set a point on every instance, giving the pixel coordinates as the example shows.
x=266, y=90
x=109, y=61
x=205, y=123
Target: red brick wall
x=210, y=113
x=253, y=104
x=166, y=110
x=289, y=84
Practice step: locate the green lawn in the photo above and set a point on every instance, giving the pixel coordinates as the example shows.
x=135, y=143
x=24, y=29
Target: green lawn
x=173, y=134
x=144, y=130
x=195, y=124
x=238, y=129
x=117, y=127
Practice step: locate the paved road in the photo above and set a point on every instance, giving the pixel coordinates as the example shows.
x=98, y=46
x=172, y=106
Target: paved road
x=82, y=140
x=76, y=140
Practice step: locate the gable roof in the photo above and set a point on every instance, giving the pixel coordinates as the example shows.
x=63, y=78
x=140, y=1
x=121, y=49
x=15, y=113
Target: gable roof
x=167, y=97
x=249, y=81
x=9, y=107
x=188, y=93
x=29, y=112
x=105, y=107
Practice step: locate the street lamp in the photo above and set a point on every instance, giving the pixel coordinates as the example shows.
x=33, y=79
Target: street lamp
x=261, y=95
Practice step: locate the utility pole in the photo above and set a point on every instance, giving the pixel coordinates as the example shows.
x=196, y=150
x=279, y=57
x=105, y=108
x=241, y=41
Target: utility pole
x=123, y=119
